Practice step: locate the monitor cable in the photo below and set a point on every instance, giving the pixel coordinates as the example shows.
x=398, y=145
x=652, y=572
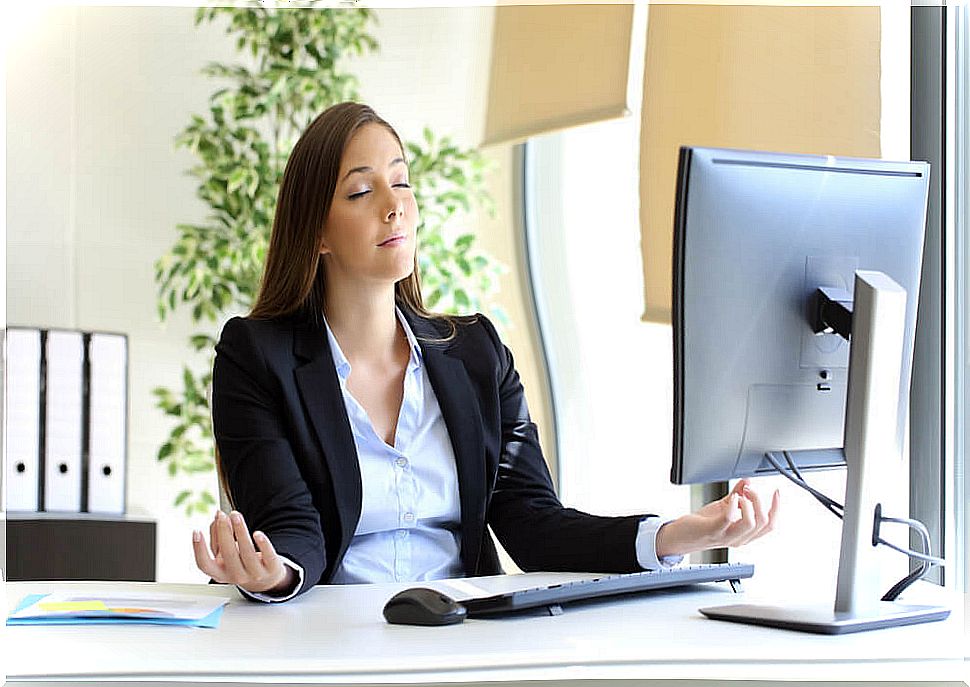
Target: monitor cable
x=925, y=557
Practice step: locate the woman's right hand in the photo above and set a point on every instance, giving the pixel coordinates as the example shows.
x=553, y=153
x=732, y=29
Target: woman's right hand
x=235, y=560
x=734, y=520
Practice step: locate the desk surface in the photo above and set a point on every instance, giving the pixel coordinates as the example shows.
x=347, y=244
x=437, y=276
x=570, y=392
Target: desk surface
x=337, y=635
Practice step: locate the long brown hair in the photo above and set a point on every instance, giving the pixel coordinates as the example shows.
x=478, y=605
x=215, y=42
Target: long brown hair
x=293, y=279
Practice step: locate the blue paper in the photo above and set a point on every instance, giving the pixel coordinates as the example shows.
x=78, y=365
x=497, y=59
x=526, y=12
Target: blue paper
x=211, y=620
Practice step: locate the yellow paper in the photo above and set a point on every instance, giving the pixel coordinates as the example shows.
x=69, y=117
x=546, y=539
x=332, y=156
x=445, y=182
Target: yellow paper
x=74, y=606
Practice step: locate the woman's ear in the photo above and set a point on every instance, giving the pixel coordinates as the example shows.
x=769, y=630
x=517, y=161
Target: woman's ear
x=323, y=250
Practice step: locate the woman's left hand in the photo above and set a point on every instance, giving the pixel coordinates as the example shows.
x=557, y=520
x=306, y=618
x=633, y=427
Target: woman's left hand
x=736, y=519
x=237, y=558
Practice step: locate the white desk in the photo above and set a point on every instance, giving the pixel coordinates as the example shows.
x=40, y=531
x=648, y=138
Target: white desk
x=337, y=635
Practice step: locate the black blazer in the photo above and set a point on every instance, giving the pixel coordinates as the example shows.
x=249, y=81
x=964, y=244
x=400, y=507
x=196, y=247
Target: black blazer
x=290, y=462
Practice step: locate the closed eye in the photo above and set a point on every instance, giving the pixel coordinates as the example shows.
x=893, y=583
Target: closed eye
x=358, y=195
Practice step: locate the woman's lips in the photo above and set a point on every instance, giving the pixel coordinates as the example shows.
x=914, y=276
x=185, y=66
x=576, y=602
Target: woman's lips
x=395, y=240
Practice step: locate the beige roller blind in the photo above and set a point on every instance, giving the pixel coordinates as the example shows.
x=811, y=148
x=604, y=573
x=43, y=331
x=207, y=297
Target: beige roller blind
x=556, y=66
x=790, y=79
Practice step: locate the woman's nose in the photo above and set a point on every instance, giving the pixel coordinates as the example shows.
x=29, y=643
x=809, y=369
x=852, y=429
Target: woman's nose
x=396, y=208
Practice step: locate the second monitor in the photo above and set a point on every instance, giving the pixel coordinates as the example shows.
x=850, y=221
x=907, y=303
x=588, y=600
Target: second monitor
x=756, y=234
x=780, y=261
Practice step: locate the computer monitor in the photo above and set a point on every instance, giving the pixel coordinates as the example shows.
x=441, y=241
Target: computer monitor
x=779, y=261
x=755, y=235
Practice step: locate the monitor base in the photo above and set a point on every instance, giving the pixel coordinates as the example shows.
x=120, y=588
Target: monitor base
x=824, y=620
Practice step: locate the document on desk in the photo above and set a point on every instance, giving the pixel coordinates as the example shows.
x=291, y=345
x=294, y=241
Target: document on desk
x=105, y=607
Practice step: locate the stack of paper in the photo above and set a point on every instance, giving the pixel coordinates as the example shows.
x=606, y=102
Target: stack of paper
x=101, y=607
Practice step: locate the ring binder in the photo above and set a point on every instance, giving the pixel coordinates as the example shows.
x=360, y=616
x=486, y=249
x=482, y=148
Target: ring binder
x=62, y=445
x=107, y=420
x=22, y=415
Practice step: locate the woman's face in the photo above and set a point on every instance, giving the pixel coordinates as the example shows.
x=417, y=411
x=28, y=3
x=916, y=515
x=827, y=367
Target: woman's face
x=369, y=234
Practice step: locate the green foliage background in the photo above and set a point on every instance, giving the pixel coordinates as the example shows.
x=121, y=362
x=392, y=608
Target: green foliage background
x=296, y=67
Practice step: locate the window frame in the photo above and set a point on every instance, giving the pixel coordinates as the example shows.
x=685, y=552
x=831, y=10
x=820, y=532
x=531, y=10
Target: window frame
x=938, y=429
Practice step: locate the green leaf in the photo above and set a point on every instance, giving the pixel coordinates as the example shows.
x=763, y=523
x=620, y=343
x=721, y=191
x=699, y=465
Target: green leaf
x=188, y=379
x=165, y=451
x=197, y=466
x=200, y=341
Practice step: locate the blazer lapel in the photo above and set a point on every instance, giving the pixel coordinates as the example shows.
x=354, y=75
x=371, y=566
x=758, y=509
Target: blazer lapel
x=459, y=408
x=324, y=403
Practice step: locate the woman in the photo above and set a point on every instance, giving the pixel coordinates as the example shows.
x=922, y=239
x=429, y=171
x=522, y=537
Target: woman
x=362, y=438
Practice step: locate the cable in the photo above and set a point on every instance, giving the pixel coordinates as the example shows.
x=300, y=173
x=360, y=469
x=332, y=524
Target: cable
x=913, y=554
x=914, y=524
x=917, y=573
x=829, y=504
x=832, y=505
x=901, y=586
x=927, y=560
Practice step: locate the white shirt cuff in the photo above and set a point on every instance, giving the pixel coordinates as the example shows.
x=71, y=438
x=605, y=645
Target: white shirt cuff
x=647, y=545
x=260, y=596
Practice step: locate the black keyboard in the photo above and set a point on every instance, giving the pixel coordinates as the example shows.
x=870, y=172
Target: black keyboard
x=608, y=585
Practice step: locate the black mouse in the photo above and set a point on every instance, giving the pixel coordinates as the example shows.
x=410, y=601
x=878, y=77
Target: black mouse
x=423, y=606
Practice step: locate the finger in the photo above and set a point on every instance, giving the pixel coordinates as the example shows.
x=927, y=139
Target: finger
x=213, y=536
x=773, y=512
x=760, y=512
x=271, y=560
x=740, y=487
x=229, y=550
x=740, y=531
x=733, y=512
x=203, y=560
x=247, y=553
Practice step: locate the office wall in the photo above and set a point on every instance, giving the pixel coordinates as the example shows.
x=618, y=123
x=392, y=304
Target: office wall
x=95, y=187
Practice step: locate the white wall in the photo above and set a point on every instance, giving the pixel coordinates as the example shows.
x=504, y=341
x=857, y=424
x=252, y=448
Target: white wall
x=95, y=97
x=95, y=187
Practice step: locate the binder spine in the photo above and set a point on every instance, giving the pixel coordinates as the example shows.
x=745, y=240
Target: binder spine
x=65, y=355
x=107, y=422
x=21, y=418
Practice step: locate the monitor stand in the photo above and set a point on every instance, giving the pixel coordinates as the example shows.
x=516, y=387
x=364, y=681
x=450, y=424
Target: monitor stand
x=871, y=416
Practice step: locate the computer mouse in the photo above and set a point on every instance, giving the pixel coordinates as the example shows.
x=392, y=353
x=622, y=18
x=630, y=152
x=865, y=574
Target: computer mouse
x=423, y=606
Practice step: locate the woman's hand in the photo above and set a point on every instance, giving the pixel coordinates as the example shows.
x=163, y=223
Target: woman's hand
x=235, y=560
x=734, y=520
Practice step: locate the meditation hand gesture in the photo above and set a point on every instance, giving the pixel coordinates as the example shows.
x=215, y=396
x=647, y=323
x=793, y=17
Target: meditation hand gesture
x=733, y=520
x=235, y=560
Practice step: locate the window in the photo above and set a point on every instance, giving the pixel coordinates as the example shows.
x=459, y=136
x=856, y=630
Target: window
x=610, y=373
